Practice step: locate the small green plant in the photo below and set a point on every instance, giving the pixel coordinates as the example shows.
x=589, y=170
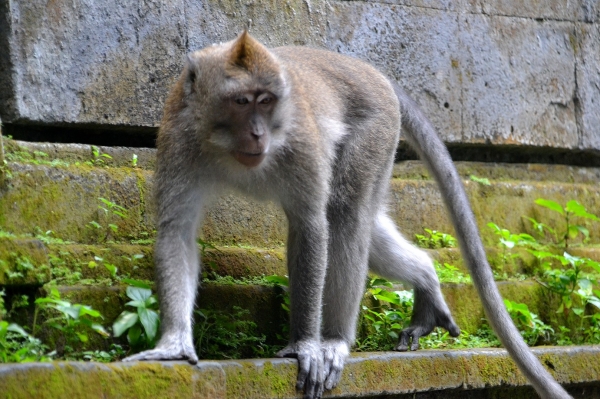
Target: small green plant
x=98, y=157
x=481, y=180
x=112, y=209
x=575, y=290
x=47, y=237
x=448, y=273
x=571, y=210
x=508, y=241
x=283, y=282
x=145, y=238
x=381, y=323
x=570, y=281
x=22, y=265
x=209, y=267
x=112, y=212
x=115, y=352
x=533, y=330
x=17, y=346
x=141, y=325
x=60, y=272
x=23, y=155
x=74, y=321
x=134, y=161
x=112, y=268
x=228, y=335
x=5, y=172
x=439, y=338
x=435, y=239
x=6, y=234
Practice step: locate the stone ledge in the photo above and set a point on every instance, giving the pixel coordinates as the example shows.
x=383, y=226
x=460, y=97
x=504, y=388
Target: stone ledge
x=65, y=200
x=366, y=375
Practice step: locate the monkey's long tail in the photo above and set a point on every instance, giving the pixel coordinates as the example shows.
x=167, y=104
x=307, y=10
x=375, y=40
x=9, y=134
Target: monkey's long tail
x=431, y=149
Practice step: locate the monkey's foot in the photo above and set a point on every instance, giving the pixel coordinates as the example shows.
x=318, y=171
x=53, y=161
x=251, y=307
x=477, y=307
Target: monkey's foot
x=410, y=336
x=173, y=350
x=310, y=366
x=335, y=353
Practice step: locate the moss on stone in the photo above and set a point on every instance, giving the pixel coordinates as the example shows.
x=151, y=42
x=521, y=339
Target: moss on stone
x=125, y=257
x=365, y=375
x=245, y=262
x=23, y=261
x=250, y=379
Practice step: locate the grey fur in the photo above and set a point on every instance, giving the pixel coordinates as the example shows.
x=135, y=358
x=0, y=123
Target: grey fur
x=328, y=145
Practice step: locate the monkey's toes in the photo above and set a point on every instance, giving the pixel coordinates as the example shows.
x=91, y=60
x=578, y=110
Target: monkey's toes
x=409, y=338
x=164, y=354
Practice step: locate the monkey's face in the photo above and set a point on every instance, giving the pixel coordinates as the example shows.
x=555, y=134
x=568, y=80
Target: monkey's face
x=236, y=90
x=250, y=114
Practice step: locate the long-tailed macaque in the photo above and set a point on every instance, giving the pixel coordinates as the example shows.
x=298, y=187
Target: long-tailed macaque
x=315, y=131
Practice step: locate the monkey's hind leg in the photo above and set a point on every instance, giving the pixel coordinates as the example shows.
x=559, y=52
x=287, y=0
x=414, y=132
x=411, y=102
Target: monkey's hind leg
x=393, y=257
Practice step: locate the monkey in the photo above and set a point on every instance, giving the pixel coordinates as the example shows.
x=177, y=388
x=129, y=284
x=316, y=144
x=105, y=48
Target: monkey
x=315, y=131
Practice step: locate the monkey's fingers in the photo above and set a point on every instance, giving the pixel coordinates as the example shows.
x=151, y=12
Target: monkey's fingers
x=163, y=354
x=310, y=376
x=310, y=367
x=334, y=357
x=288, y=351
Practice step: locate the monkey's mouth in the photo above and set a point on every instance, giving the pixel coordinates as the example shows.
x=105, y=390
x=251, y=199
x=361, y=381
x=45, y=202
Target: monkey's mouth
x=248, y=159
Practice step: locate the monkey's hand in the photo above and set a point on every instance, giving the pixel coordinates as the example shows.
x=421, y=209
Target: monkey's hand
x=310, y=366
x=335, y=353
x=168, y=348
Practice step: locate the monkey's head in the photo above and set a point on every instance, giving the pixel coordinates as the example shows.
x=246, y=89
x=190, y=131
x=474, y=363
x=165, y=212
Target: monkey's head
x=235, y=92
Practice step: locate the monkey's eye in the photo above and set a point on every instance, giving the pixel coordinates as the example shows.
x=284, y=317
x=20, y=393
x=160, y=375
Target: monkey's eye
x=266, y=100
x=241, y=101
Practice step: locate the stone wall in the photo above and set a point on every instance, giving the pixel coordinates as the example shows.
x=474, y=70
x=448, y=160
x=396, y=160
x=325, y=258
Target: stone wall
x=487, y=72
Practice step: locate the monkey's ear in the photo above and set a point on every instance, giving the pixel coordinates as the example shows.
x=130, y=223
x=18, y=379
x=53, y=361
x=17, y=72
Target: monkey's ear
x=191, y=72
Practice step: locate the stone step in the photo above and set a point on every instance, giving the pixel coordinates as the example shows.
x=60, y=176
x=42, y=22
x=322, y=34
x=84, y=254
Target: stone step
x=65, y=199
x=31, y=261
x=472, y=373
x=415, y=170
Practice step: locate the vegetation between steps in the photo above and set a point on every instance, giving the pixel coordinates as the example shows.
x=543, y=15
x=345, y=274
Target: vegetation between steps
x=61, y=329
x=385, y=312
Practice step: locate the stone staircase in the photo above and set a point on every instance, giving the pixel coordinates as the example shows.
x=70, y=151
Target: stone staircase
x=53, y=233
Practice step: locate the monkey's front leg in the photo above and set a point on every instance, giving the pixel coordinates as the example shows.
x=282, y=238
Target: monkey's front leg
x=307, y=257
x=177, y=270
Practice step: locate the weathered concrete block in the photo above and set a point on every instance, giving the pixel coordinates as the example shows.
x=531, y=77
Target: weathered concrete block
x=274, y=22
x=66, y=200
x=446, y=5
x=588, y=84
x=97, y=63
x=91, y=64
x=518, y=81
x=537, y=9
x=416, y=46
